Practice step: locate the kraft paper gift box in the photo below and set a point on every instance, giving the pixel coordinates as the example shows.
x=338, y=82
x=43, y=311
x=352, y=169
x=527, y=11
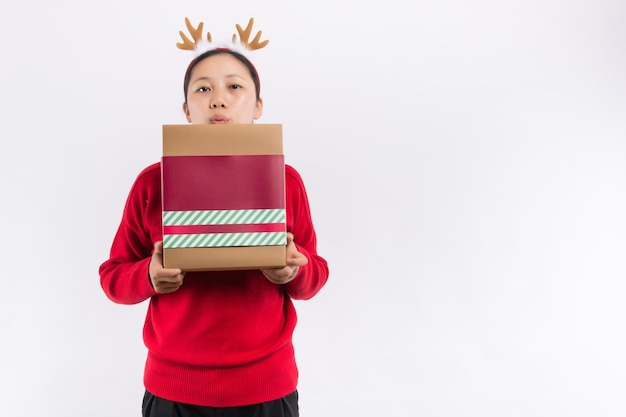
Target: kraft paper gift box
x=223, y=191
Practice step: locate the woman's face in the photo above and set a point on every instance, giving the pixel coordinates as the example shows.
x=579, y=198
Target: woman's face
x=221, y=91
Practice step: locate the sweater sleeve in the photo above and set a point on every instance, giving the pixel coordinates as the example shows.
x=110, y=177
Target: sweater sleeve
x=124, y=277
x=312, y=276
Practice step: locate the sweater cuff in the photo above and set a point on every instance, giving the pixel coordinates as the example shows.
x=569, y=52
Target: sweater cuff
x=141, y=276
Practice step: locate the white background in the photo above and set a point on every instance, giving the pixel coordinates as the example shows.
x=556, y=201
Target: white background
x=465, y=162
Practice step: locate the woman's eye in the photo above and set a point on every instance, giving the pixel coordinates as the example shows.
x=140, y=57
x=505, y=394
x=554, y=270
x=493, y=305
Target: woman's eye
x=204, y=89
x=235, y=86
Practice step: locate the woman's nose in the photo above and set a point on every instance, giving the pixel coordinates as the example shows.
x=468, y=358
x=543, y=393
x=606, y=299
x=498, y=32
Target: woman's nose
x=218, y=103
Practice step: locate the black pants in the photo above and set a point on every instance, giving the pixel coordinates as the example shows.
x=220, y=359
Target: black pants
x=154, y=406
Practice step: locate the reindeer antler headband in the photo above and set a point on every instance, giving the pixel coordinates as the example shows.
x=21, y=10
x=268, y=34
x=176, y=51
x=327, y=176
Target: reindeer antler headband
x=198, y=45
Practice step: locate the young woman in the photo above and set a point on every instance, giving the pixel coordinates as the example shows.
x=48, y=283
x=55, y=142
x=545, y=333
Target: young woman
x=215, y=340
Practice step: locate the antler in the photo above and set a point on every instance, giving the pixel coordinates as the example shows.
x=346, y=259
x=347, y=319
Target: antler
x=244, y=35
x=196, y=34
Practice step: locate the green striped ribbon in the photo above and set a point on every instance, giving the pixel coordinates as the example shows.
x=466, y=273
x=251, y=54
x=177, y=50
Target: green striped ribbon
x=216, y=240
x=208, y=217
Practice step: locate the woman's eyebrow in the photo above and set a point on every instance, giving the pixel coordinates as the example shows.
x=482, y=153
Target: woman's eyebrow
x=207, y=78
x=203, y=78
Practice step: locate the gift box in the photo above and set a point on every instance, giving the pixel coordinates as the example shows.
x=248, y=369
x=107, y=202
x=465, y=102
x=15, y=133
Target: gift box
x=223, y=191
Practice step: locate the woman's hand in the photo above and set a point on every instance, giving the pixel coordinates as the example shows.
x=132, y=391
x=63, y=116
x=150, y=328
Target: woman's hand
x=294, y=261
x=164, y=280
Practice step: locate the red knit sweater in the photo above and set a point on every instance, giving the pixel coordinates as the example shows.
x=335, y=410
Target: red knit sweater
x=223, y=339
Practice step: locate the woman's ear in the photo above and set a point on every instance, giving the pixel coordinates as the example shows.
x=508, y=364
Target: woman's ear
x=186, y=111
x=258, y=109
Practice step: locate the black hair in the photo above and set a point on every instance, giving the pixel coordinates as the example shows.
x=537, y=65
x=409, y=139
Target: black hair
x=245, y=61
